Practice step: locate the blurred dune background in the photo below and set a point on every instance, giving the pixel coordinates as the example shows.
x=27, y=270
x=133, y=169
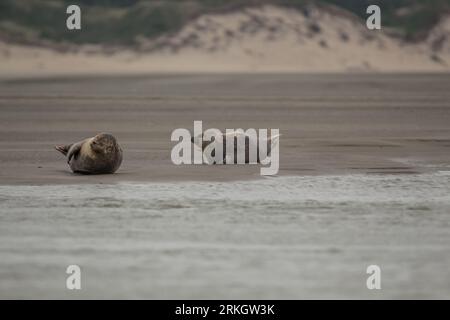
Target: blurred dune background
x=135, y=36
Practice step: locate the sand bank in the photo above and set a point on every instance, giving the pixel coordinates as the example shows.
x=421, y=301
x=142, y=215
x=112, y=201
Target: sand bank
x=330, y=123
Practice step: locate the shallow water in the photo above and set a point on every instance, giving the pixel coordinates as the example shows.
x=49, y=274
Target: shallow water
x=283, y=237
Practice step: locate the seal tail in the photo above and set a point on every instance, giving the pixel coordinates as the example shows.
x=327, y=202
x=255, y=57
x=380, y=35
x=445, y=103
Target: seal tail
x=63, y=149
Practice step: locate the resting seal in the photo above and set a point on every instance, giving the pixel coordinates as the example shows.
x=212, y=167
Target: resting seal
x=208, y=147
x=97, y=155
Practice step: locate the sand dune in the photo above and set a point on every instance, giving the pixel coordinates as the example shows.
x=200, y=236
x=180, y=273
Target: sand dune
x=263, y=39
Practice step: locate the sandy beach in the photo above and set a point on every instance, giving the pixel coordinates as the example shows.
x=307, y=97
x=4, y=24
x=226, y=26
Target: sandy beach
x=364, y=179
x=329, y=123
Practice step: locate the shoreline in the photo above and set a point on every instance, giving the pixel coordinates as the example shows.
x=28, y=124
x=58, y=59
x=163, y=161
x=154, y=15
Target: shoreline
x=219, y=180
x=72, y=75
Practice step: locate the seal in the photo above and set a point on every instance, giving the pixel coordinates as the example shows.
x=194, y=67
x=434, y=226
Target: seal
x=97, y=155
x=208, y=147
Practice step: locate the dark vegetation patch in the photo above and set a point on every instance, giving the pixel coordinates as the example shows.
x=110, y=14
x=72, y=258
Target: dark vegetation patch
x=122, y=22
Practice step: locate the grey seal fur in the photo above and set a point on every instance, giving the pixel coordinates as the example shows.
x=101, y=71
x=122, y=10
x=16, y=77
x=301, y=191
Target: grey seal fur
x=97, y=155
x=205, y=144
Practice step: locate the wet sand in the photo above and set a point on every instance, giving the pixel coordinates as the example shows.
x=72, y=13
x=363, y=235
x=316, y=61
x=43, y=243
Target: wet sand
x=331, y=124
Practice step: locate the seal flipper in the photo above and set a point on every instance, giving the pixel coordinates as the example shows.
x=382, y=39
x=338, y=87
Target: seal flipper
x=63, y=148
x=74, y=151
